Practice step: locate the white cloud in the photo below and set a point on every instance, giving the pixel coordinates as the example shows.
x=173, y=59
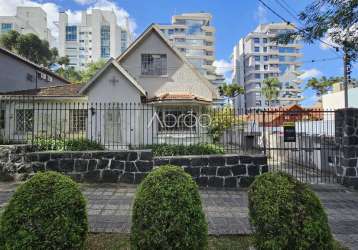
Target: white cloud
x=309, y=73
x=261, y=14
x=84, y=2
x=225, y=68
x=8, y=8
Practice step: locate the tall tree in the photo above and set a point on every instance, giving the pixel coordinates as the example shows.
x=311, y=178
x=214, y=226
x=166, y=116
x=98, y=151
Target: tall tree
x=320, y=86
x=231, y=90
x=91, y=70
x=271, y=89
x=8, y=40
x=70, y=74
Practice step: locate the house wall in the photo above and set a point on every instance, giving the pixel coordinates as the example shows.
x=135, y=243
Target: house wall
x=336, y=100
x=180, y=77
x=13, y=75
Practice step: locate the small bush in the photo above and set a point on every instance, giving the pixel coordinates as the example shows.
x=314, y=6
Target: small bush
x=286, y=214
x=194, y=149
x=80, y=144
x=167, y=212
x=46, y=212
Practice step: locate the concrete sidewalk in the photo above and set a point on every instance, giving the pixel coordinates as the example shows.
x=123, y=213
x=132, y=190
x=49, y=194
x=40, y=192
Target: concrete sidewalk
x=109, y=209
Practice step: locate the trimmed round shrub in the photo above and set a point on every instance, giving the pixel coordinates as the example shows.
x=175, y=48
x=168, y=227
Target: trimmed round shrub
x=286, y=214
x=46, y=212
x=167, y=212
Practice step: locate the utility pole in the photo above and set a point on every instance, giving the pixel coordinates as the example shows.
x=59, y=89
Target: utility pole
x=347, y=76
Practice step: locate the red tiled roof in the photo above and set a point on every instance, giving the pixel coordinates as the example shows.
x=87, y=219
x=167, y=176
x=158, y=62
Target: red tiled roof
x=178, y=96
x=68, y=90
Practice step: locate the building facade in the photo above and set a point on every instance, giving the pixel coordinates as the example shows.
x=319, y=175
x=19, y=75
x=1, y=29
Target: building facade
x=193, y=35
x=258, y=57
x=97, y=36
x=28, y=20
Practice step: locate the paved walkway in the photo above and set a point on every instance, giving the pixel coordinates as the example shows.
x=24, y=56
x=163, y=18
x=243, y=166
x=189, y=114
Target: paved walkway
x=109, y=209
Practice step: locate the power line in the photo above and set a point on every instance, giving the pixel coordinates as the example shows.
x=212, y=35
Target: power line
x=295, y=27
x=287, y=10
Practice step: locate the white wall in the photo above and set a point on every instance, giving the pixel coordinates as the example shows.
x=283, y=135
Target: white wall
x=336, y=100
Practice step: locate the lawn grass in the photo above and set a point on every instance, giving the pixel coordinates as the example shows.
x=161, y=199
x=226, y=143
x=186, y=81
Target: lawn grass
x=112, y=241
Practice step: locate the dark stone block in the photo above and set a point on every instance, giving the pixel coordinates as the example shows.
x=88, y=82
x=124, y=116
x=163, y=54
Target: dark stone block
x=253, y=170
x=340, y=170
x=132, y=156
x=103, y=155
x=103, y=164
x=81, y=165
x=349, y=162
x=122, y=156
x=24, y=168
x=199, y=161
x=160, y=161
x=209, y=170
x=92, y=164
x=75, y=176
x=264, y=169
x=202, y=181
x=66, y=165
x=239, y=169
x=218, y=161
x=138, y=177
x=81, y=155
x=224, y=171
x=127, y=178
x=92, y=176
x=38, y=167
x=230, y=182
x=259, y=160
x=110, y=176
x=349, y=152
x=15, y=158
x=245, y=181
x=144, y=166
x=349, y=130
x=146, y=155
x=61, y=156
x=52, y=165
x=31, y=157
x=351, y=140
x=215, y=181
x=232, y=160
x=116, y=164
x=44, y=156
x=180, y=161
x=245, y=159
x=193, y=171
x=351, y=172
x=130, y=167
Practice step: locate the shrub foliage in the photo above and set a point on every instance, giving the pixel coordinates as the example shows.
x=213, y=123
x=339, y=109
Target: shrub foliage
x=167, y=212
x=80, y=144
x=286, y=214
x=46, y=212
x=194, y=149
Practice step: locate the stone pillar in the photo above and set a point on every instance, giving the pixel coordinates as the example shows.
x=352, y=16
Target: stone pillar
x=346, y=133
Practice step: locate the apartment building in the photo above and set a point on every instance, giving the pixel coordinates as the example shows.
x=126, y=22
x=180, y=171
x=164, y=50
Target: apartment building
x=258, y=56
x=193, y=35
x=28, y=20
x=97, y=36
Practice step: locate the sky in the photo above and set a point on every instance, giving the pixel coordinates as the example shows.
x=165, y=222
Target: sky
x=233, y=19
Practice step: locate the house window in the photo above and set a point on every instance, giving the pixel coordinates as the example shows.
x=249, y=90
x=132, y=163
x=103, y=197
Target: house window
x=29, y=77
x=5, y=27
x=154, y=64
x=78, y=120
x=2, y=119
x=71, y=33
x=24, y=120
x=177, y=121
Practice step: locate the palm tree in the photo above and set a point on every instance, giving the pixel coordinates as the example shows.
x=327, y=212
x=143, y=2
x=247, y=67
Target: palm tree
x=271, y=89
x=231, y=90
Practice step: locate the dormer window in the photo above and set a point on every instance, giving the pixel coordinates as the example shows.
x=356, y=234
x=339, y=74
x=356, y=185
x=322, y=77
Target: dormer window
x=154, y=64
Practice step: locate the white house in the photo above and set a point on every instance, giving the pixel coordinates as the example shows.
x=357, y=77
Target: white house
x=124, y=103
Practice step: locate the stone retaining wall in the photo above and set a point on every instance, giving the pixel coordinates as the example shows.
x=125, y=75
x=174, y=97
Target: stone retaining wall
x=132, y=166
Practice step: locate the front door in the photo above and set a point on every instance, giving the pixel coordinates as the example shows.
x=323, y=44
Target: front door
x=112, y=137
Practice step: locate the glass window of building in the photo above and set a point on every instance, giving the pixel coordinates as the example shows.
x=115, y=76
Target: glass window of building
x=257, y=49
x=194, y=52
x=265, y=49
x=264, y=40
x=257, y=58
x=105, y=41
x=257, y=76
x=194, y=27
x=154, y=64
x=265, y=67
x=71, y=33
x=195, y=42
x=256, y=40
x=5, y=27
x=257, y=67
x=265, y=58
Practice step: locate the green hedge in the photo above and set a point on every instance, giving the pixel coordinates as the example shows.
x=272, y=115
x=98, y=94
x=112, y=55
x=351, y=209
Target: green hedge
x=46, y=212
x=286, y=214
x=167, y=212
x=80, y=144
x=194, y=149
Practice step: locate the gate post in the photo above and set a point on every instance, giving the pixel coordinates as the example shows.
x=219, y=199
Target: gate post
x=264, y=131
x=346, y=137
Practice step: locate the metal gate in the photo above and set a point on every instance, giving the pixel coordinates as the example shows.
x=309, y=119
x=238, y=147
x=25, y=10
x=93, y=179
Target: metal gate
x=301, y=142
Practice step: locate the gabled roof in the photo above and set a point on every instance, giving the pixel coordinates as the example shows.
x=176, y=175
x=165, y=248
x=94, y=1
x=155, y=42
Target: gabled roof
x=116, y=65
x=32, y=64
x=68, y=90
x=153, y=28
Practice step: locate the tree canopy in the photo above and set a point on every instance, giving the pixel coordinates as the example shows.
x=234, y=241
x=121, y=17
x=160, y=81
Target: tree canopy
x=231, y=90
